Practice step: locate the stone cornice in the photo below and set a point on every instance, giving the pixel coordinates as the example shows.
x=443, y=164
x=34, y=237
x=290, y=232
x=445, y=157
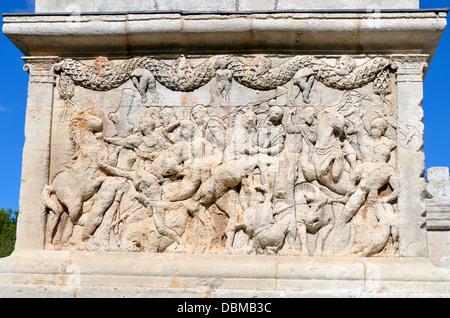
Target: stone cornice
x=300, y=33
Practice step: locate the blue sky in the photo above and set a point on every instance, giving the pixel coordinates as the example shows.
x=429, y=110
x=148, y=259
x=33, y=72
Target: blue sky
x=13, y=97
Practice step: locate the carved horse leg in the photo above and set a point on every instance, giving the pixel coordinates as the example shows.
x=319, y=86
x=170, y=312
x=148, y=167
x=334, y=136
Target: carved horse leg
x=52, y=223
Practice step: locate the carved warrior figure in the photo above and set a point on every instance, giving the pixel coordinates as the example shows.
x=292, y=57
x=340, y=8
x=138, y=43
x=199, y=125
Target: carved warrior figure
x=187, y=180
x=371, y=178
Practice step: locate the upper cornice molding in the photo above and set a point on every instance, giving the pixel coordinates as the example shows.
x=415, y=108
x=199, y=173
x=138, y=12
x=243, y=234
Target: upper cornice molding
x=319, y=32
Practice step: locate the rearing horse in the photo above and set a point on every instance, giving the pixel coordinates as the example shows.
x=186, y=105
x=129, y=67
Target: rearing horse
x=77, y=184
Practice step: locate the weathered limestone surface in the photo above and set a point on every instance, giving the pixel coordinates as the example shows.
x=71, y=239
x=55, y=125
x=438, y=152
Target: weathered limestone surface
x=438, y=185
x=82, y=274
x=217, y=5
x=119, y=35
x=281, y=151
x=438, y=214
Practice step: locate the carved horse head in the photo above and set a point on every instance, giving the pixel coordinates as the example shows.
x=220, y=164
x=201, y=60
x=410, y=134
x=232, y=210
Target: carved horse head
x=83, y=126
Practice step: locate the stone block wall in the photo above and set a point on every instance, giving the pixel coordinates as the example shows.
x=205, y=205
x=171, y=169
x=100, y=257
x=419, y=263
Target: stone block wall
x=438, y=214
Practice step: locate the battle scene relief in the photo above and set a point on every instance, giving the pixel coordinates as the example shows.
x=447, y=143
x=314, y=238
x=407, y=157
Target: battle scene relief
x=273, y=155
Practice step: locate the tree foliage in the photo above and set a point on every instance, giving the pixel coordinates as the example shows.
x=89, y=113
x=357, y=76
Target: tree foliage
x=8, y=223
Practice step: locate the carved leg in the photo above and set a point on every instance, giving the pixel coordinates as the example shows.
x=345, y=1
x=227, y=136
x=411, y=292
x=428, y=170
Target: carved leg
x=67, y=232
x=231, y=233
x=300, y=210
x=301, y=233
x=52, y=223
x=105, y=197
x=305, y=84
x=74, y=204
x=139, y=84
x=75, y=209
x=395, y=239
x=325, y=230
x=337, y=166
x=352, y=206
x=290, y=230
x=159, y=220
x=326, y=165
x=321, y=238
x=229, y=203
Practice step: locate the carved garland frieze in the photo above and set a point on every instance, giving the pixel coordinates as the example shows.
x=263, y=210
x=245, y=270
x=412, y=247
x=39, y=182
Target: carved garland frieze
x=198, y=182
x=259, y=74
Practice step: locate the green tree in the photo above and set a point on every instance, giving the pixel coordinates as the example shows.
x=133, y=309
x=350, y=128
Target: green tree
x=8, y=222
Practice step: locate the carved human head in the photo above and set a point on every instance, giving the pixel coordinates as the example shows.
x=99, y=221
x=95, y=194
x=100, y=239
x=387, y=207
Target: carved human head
x=345, y=65
x=261, y=64
x=215, y=132
x=275, y=113
x=166, y=116
x=308, y=113
x=103, y=65
x=378, y=127
x=249, y=119
x=181, y=64
x=199, y=114
x=221, y=63
x=147, y=124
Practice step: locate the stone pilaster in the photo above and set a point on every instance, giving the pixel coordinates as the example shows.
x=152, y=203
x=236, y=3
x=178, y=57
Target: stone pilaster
x=36, y=153
x=410, y=155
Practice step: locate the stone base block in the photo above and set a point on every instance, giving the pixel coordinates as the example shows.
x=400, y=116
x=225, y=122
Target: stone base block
x=66, y=274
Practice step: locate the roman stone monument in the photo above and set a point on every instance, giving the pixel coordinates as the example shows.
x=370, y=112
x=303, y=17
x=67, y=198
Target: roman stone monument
x=224, y=148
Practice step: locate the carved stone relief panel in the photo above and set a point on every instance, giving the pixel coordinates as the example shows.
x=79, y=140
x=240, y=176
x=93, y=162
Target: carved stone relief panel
x=288, y=155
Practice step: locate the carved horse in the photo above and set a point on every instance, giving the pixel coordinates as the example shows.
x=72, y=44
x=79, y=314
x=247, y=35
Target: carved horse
x=77, y=184
x=270, y=227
